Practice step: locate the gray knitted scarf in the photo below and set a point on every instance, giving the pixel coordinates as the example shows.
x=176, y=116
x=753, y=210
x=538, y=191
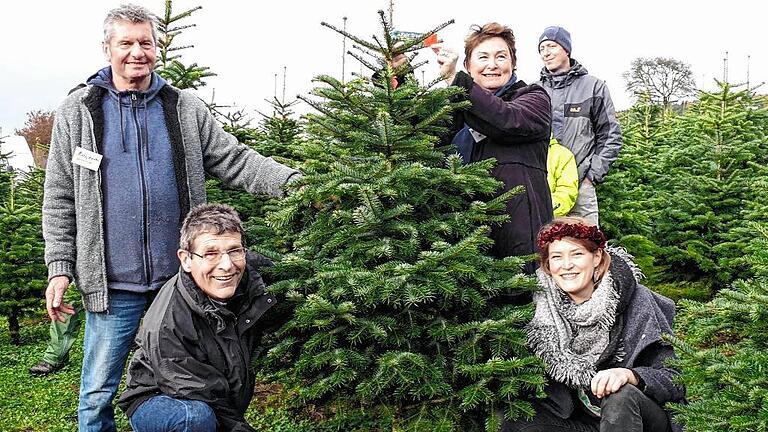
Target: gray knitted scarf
x=570, y=337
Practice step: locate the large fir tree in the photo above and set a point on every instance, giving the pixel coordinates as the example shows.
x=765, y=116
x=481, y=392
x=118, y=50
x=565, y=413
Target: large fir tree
x=394, y=303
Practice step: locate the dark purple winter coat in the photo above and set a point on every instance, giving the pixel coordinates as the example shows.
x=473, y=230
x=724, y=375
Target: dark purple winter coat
x=517, y=129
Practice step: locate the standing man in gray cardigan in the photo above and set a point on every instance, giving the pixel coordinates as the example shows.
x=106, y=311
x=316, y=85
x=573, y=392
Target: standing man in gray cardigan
x=583, y=117
x=127, y=161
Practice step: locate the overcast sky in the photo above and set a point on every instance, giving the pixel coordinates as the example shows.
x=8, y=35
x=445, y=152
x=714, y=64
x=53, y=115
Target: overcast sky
x=50, y=46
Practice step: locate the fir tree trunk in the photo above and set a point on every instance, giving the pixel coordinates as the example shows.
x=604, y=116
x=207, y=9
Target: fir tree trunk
x=13, y=326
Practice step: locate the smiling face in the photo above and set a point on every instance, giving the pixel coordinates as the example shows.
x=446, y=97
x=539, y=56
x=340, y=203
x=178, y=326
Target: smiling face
x=131, y=52
x=554, y=56
x=572, y=266
x=218, y=279
x=490, y=64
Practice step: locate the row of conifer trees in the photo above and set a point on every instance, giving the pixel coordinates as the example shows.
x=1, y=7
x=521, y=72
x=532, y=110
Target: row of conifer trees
x=391, y=305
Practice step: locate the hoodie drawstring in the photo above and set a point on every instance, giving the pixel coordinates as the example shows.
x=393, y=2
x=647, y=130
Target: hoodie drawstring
x=122, y=126
x=145, y=128
x=142, y=130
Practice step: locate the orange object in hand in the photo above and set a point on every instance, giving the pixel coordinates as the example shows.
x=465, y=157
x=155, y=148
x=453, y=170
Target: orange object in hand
x=431, y=40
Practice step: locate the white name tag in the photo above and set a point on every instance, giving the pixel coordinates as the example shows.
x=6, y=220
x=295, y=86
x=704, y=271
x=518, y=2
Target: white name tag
x=86, y=159
x=476, y=135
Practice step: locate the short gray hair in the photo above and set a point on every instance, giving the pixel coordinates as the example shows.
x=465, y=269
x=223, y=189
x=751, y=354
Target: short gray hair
x=131, y=13
x=209, y=218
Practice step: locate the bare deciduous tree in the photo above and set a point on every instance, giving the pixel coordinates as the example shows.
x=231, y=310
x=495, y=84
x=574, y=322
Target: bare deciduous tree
x=663, y=80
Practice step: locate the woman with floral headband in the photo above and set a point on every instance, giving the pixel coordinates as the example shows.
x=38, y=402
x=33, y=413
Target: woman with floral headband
x=599, y=333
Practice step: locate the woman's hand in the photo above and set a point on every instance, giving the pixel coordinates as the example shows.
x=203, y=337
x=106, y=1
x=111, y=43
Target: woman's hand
x=610, y=381
x=396, y=64
x=446, y=59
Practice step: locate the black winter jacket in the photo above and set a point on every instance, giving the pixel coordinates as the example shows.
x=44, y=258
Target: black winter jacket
x=189, y=348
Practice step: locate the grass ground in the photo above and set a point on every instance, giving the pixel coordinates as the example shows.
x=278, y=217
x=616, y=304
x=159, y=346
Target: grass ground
x=49, y=404
x=44, y=404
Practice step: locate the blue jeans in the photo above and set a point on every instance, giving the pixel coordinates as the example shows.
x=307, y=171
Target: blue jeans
x=108, y=339
x=166, y=414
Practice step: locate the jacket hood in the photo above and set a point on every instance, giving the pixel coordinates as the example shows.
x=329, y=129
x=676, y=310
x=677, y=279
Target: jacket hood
x=564, y=78
x=103, y=79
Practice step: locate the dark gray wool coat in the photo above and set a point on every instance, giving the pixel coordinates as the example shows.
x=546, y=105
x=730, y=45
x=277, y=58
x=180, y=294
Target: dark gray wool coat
x=516, y=126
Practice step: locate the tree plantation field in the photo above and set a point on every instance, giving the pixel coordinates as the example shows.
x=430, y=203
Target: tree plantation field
x=392, y=314
x=687, y=197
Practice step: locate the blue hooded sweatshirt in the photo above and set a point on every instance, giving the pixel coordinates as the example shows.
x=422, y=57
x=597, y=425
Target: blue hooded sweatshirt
x=141, y=200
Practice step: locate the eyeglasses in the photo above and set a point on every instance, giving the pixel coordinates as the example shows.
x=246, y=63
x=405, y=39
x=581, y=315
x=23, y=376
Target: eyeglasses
x=237, y=254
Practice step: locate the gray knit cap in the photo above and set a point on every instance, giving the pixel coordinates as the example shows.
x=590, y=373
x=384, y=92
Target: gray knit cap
x=558, y=35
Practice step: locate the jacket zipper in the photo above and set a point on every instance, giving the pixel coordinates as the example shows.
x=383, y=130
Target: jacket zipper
x=144, y=191
x=246, y=362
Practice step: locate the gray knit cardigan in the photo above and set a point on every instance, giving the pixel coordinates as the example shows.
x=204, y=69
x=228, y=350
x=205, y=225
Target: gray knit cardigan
x=73, y=218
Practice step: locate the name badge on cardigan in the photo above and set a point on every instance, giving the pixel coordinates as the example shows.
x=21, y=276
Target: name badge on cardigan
x=86, y=159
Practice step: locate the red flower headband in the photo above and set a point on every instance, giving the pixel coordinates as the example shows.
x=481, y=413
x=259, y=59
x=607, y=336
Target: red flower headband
x=579, y=231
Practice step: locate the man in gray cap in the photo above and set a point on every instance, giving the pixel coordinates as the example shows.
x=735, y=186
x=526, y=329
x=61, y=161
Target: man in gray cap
x=583, y=117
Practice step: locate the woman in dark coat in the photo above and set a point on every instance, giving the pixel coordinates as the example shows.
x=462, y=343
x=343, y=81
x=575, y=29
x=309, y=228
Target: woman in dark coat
x=599, y=333
x=508, y=121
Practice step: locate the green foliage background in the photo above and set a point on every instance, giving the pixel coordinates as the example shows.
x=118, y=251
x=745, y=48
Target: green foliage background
x=688, y=197
x=686, y=188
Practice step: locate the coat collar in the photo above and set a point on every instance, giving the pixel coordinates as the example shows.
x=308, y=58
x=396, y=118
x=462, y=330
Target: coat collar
x=242, y=305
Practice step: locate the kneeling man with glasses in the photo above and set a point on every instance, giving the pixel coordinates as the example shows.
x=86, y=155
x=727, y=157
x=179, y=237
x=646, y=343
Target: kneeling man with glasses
x=191, y=371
